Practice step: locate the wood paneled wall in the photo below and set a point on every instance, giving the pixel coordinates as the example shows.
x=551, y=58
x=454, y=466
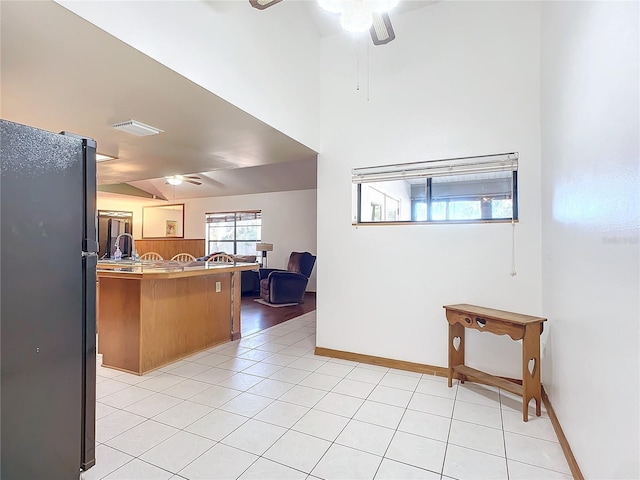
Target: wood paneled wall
x=172, y=246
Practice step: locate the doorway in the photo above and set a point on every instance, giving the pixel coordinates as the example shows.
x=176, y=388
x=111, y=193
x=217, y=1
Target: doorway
x=111, y=224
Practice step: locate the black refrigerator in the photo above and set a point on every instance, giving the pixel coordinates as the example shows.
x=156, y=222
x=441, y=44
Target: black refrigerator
x=48, y=303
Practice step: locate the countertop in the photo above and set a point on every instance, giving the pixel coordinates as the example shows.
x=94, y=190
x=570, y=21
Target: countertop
x=166, y=268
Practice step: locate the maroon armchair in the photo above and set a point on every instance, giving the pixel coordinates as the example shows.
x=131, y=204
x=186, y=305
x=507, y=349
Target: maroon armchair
x=287, y=286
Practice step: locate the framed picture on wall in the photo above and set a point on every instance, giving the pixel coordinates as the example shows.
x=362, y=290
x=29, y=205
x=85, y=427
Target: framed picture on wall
x=163, y=221
x=172, y=228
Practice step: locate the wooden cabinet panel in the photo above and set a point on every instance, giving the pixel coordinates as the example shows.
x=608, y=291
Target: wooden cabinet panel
x=170, y=247
x=149, y=322
x=119, y=313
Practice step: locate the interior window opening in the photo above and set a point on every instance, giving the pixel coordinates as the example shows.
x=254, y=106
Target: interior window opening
x=472, y=189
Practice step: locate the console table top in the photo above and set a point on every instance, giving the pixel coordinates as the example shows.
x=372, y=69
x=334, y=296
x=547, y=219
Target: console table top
x=511, y=317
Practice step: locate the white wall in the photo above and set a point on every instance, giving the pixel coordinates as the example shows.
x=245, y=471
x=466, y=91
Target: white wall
x=591, y=192
x=271, y=72
x=111, y=201
x=461, y=78
x=155, y=221
x=288, y=219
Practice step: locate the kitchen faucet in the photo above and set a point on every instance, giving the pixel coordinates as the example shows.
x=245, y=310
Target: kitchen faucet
x=134, y=252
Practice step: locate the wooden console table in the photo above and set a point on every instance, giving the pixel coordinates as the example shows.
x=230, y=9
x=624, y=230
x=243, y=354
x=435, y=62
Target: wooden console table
x=499, y=322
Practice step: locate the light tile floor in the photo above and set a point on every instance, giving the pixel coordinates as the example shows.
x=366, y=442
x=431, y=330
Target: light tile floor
x=265, y=407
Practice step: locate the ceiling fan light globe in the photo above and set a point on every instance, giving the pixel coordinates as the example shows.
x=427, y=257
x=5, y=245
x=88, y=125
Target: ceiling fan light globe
x=357, y=17
x=380, y=6
x=332, y=6
x=174, y=180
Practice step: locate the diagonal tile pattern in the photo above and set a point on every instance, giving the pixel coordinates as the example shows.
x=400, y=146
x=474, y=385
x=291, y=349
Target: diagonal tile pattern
x=267, y=407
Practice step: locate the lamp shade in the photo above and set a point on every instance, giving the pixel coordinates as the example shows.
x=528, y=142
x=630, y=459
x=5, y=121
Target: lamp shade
x=264, y=247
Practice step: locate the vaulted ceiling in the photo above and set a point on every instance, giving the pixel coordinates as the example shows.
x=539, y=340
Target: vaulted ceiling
x=60, y=72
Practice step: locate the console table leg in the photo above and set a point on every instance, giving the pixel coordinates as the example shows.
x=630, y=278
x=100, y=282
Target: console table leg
x=531, y=370
x=456, y=348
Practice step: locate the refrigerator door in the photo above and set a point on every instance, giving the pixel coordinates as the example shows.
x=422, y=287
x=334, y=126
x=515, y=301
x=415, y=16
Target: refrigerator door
x=88, y=458
x=41, y=211
x=89, y=265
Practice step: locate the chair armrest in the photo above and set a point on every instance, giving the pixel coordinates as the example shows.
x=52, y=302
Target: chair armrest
x=283, y=275
x=286, y=287
x=265, y=272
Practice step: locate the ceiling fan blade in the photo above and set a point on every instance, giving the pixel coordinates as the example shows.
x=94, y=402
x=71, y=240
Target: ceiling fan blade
x=192, y=177
x=262, y=4
x=381, y=30
x=192, y=181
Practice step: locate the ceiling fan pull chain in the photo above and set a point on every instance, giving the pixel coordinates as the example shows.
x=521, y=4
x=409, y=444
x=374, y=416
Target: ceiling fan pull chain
x=368, y=70
x=355, y=41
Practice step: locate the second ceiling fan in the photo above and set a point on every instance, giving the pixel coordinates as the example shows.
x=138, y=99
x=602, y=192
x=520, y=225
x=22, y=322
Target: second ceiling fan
x=178, y=179
x=355, y=15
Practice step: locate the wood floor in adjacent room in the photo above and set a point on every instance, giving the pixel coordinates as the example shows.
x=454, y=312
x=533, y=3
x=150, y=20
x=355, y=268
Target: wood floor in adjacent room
x=256, y=317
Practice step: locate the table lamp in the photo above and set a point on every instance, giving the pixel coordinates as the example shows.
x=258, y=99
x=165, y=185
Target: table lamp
x=264, y=248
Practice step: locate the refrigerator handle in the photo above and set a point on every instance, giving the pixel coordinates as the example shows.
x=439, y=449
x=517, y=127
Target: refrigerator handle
x=90, y=222
x=91, y=217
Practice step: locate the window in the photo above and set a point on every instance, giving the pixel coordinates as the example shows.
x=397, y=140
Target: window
x=383, y=207
x=471, y=189
x=233, y=232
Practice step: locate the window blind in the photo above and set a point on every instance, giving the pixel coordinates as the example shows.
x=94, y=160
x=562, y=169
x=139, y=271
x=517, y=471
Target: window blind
x=231, y=217
x=503, y=162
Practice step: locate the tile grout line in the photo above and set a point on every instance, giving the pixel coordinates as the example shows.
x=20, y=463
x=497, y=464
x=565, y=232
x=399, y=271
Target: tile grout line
x=289, y=429
x=309, y=409
x=151, y=418
x=216, y=441
x=446, y=447
x=182, y=429
x=395, y=431
x=253, y=417
x=504, y=437
x=350, y=419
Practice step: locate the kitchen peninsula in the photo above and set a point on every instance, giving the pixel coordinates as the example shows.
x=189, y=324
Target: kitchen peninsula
x=153, y=313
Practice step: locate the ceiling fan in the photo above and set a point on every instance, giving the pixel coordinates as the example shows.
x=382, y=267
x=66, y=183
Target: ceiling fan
x=355, y=15
x=178, y=179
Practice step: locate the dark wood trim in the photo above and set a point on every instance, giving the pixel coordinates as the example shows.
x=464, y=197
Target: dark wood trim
x=564, y=443
x=383, y=362
x=399, y=364
x=236, y=336
x=444, y=372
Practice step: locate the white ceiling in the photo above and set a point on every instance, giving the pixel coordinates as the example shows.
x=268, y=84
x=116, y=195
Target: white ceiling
x=329, y=23
x=59, y=72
